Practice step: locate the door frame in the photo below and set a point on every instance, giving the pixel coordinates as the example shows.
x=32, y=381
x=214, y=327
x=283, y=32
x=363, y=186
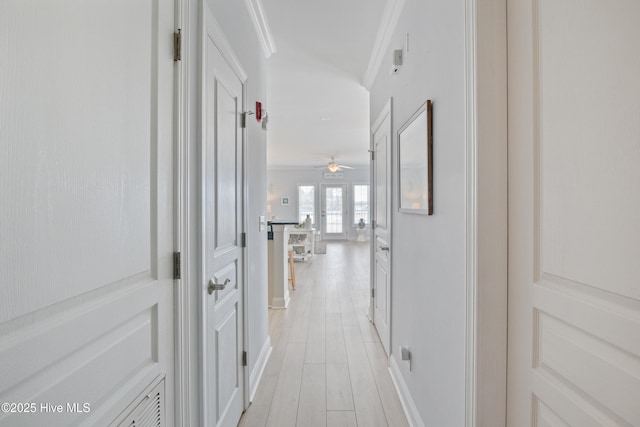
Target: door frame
x=182, y=225
x=189, y=315
x=486, y=146
x=211, y=26
x=486, y=212
x=387, y=110
x=345, y=211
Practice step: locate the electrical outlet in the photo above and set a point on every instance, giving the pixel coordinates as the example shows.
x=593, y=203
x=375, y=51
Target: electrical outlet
x=405, y=355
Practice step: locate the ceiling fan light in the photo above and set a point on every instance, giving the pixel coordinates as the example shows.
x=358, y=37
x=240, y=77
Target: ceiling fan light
x=333, y=167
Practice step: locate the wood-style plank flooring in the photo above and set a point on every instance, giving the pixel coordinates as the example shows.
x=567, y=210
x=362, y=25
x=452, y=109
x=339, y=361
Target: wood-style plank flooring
x=327, y=367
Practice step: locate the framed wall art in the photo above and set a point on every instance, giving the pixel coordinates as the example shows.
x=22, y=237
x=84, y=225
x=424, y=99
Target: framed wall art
x=415, y=162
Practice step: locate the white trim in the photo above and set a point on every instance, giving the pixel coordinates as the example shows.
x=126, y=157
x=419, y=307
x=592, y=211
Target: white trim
x=387, y=110
x=183, y=327
x=280, y=302
x=223, y=44
x=188, y=390
x=245, y=251
x=471, y=142
x=198, y=188
x=388, y=24
x=408, y=405
x=261, y=24
x=258, y=370
x=486, y=213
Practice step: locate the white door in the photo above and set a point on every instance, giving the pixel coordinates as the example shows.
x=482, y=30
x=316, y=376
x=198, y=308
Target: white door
x=222, y=286
x=333, y=211
x=86, y=218
x=380, y=244
x=574, y=199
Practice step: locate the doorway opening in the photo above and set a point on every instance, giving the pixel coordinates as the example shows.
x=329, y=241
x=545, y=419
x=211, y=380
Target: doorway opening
x=327, y=366
x=333, y=211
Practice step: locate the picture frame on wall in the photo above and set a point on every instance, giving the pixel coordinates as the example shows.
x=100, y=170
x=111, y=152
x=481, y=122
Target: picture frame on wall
x=415, y=162
x=284, y=201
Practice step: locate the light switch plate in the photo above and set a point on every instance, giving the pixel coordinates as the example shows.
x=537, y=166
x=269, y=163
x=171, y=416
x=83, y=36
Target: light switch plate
x=262, y=222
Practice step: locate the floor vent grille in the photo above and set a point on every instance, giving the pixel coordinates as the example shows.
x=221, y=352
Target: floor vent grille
x=149, y=411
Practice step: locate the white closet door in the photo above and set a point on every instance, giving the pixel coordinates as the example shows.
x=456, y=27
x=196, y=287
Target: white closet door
x=86, y=226
x=381, y=251
x=574, y=198
x=222, y=289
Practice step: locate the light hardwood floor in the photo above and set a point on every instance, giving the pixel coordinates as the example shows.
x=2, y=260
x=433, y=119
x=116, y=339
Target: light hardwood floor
x=327, y=367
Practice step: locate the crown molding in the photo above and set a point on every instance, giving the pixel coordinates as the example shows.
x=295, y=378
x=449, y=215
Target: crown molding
x=260, y=23
x=385, y=32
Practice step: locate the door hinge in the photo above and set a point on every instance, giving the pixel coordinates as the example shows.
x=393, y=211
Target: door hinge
x=243, y=238
x=177, y=45
x=177, y=270
x=244, y=358
x=243, y=120
x=373, y=224
x=373, y=293
x=372, y=152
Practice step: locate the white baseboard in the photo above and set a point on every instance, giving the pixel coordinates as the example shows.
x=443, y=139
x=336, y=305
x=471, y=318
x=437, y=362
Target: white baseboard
x=409, y=406
x=280, y=302
x=258, y=370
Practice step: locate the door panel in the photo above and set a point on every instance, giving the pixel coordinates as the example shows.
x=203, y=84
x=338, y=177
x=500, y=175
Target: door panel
x=227, y=367
x=86, y=219
x=226, y=164
x=334, y=206
x=90, y=164
x=380, y=165
x=381, y=177
x=222, y=217
x=381, y=284
x=574, y=321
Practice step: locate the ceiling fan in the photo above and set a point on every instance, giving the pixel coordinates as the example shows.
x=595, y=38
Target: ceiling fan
x=333, y=166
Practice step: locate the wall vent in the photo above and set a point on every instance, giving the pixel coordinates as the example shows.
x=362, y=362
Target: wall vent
x=147, y=410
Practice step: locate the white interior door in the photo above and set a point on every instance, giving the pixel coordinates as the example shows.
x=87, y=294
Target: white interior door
x=380, y=244
x=574, y=198
x=222, y=217
x=333, y=211
x=86, y=218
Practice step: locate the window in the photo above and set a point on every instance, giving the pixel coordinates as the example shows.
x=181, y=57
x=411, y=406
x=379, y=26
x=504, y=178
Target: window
x=361, y=203
x=306, y=202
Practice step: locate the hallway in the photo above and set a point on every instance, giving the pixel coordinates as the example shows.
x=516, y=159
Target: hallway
x=327, y=367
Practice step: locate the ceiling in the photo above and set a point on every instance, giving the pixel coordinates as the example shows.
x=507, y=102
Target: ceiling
x=317, y=105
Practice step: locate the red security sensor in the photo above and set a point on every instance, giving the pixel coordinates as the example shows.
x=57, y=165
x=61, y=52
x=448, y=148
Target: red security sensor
x=258, y=111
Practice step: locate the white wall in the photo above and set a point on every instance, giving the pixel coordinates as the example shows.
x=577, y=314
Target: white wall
x=428, y=270
x=284, y=183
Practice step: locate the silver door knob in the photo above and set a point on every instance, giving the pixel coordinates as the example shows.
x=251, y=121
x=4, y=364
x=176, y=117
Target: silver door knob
x=213, y=286
x=384, y=248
